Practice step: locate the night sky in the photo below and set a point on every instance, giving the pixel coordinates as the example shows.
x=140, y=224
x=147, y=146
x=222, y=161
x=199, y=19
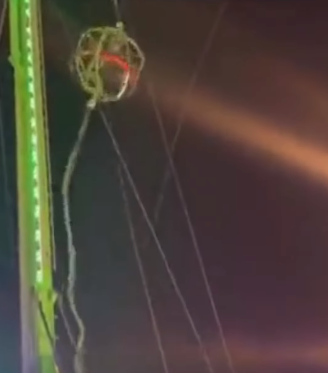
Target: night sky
x=253, y=162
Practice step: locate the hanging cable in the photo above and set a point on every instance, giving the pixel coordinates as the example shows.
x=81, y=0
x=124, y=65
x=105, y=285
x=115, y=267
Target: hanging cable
x=79, y=351
x=67, y=326
x=175, y=176
x=143, y=276
x=176, y=287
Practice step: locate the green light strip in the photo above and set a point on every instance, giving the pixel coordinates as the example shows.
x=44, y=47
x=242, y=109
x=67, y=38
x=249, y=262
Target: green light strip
x=34, y=143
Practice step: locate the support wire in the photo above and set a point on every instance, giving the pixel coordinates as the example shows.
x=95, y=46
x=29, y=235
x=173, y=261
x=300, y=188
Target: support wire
x=151, y=228
x=191, y=229
x=117, y=11
x=182, y=113
x=143, y=276
x=171, y=171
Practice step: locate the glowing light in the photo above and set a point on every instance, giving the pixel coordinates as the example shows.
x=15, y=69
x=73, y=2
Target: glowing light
x=34, y=144
x=120, y=62
x=253, y=132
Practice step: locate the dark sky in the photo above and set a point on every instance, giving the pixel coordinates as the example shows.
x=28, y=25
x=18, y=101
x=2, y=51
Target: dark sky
x=252, y=160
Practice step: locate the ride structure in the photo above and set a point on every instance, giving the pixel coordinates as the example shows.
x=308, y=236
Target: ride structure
x=34, y=210
x=107, y=63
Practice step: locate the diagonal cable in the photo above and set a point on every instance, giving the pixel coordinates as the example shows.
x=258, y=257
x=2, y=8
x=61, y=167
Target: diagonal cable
x=143, y=276
x=182, y=113
x=151, y=228
x=191, y=229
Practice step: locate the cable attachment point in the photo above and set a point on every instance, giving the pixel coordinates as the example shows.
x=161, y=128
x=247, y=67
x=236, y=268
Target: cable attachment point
x=92, y=103
x=120, y=26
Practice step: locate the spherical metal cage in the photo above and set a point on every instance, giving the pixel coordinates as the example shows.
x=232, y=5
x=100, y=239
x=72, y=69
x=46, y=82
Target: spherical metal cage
x=107, y=63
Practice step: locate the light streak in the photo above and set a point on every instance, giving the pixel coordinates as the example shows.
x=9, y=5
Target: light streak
x=258, y=134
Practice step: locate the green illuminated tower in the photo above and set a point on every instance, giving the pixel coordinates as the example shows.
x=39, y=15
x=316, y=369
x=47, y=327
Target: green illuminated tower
x=35, y=230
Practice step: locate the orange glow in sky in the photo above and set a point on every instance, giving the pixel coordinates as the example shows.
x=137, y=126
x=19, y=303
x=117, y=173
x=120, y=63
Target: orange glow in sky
x=253, y=132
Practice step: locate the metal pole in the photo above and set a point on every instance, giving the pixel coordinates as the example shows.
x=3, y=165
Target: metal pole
x=35, y=246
